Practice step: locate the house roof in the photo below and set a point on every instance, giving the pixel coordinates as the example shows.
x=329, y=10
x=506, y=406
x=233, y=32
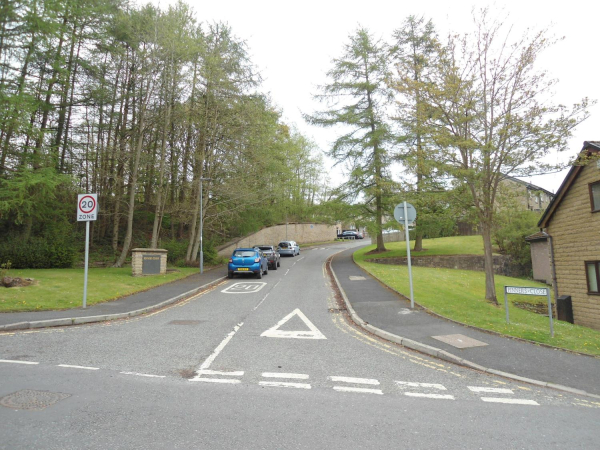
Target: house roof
x=539, y=236
x=529, y=186
x=589, y=147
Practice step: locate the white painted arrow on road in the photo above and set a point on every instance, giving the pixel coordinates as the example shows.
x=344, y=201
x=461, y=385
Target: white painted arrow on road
x=275, y=332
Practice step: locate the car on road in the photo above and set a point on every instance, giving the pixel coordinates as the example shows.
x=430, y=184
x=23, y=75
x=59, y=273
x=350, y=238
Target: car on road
x=273, y=257
x=248, y=260
x=288, y=248
x=350, y=235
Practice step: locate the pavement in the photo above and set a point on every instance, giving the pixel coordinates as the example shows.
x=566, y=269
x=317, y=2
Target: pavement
x=378, y=310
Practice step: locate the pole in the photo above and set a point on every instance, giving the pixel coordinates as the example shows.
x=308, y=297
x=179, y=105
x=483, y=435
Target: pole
x=550, y=313
x=201, y=220
x=506, y=305
x=87, y=254
x=412, y=298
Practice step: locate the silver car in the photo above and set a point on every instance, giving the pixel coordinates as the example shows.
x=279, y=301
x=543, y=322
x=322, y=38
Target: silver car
x=288, y=248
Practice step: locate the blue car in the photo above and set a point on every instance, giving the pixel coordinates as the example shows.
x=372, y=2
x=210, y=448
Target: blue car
x=248, y=260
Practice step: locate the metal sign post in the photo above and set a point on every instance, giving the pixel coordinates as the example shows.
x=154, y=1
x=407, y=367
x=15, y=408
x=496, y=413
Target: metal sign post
x=405, y=213
x=529, y=291
x=87, y=210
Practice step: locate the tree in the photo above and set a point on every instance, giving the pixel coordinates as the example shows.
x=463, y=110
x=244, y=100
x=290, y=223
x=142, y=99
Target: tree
x=357, y=96
x=414, y=52
x=490, y=115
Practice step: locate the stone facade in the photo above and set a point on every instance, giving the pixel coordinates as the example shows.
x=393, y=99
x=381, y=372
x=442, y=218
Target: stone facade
x=137, y=260
x=575, y=232
x=302, y=233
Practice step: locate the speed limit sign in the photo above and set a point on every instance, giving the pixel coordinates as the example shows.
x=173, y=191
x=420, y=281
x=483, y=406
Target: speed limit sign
x=87, y=207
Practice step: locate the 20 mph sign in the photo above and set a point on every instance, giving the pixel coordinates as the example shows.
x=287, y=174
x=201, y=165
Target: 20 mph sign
x=87, y=207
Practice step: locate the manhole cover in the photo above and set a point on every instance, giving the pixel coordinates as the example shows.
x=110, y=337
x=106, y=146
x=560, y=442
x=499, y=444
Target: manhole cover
x=32, y=400
x=459, y=341
x=185, y=322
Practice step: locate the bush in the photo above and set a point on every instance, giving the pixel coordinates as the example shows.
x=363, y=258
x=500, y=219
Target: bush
x=177, y=251
x=38, y=253
x=510, y=230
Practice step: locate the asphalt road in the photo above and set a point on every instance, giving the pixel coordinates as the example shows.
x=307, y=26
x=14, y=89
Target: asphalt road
x=263, y=364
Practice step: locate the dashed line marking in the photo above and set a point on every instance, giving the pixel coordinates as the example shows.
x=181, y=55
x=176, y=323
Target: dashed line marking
x=513, y=401
x=285, y=384
x=78, y=367
x=238, y=373
x=435, y=396
x=356, y=389
x=490, y=390
x=10, y=361
x=296, y=376
x=143, y=375
x=401, y=384
x=217, y=380
x=354, y=380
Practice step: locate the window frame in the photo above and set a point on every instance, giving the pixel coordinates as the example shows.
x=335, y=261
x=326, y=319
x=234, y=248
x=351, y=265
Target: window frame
x=587, y=278
x=590, y=186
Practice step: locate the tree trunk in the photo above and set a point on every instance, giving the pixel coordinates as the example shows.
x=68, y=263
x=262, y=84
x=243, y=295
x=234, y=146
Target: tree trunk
x=490, y=287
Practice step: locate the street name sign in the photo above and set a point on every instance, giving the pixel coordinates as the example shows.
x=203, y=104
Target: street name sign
x=523, y=290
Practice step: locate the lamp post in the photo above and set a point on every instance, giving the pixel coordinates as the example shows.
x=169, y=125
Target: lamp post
x=201, y=224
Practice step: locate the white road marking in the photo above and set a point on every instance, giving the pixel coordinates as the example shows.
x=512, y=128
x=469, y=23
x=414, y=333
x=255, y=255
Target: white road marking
x=285, y=384
x=260, y=303
x=425, y=385
x=17, y=362
x=286, y=272
x=490, y=390
x=296, y=376
x=216, y=380
x=238, y=373
x=247, y=287
x=513, y=401
x=436, y=396
x=354, y=380
x=78, y=367
x=300, y=259
x=275, y=332
x=206, y=364
x=143, y=375
x=355, y=389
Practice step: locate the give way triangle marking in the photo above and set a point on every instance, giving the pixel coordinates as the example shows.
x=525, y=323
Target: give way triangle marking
x=275, y=332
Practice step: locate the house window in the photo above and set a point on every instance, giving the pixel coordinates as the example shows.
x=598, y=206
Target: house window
x=592, y=271
x=595, y=196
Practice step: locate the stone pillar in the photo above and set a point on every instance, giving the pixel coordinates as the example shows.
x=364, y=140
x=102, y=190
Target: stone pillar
x=148, y=261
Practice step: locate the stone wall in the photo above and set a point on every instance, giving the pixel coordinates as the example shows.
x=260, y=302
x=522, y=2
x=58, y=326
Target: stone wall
x=502, y=264
x=137, y=259
x=302, y=233
x=575, y=231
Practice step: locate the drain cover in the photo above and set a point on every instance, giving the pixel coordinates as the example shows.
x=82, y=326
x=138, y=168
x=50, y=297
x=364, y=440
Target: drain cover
x=32, y=400
x=460, y=341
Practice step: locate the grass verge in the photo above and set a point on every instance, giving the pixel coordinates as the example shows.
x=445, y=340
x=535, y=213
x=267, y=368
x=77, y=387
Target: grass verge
x=63, y=288
x=455, y=245
x=460, y=295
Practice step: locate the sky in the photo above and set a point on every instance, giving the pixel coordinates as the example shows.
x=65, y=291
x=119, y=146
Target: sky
x=292, y=45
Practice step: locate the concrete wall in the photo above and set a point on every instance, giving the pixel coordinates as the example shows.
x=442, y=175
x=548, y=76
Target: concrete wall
x=576, y=238
x=302, y=233
x=540, y=261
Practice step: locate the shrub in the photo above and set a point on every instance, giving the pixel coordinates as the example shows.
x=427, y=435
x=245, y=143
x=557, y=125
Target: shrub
x=510, y=230
x=38, y=253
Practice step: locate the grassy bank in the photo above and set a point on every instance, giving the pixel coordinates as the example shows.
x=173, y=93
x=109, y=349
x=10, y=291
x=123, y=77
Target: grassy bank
x=63, y=288
x=460, y=295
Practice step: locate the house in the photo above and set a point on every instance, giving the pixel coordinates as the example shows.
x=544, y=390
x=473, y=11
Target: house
x=529, y=196
x=572, y=224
